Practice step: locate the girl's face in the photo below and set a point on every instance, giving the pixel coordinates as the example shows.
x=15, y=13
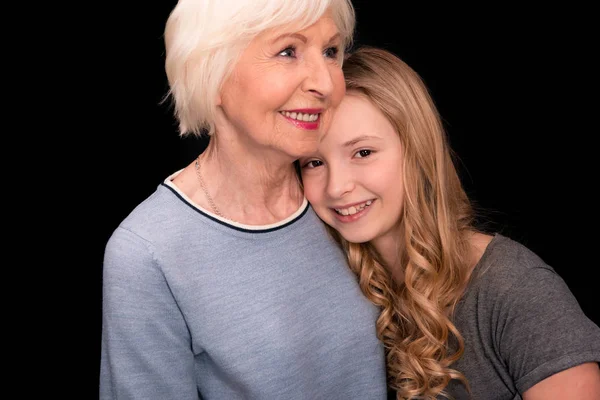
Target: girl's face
x=354, y=180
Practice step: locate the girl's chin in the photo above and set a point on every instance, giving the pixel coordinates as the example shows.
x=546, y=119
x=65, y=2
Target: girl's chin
x=356, y=238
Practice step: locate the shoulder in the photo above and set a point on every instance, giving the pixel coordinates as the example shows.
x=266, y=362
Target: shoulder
x=520, y=315
x=516, y=292
x=153, y=223
x=157, y=214
x=511, y=282
x=504, y=250
x=506, y=264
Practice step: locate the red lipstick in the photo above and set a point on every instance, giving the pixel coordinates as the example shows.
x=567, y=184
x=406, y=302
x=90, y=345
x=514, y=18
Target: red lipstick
x=308, y=125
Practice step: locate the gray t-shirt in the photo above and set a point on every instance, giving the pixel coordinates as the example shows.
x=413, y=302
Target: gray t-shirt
x=195, y=307
x=520, y=323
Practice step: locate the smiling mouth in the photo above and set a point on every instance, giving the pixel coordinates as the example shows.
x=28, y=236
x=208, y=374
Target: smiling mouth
x=301, y=117
x=353, y=209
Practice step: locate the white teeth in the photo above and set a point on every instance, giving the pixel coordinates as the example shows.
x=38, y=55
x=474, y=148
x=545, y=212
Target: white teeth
x=353, y=209
x=301, y=116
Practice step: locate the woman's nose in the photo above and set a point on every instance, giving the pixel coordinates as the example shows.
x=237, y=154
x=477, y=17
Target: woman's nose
x=319, y=80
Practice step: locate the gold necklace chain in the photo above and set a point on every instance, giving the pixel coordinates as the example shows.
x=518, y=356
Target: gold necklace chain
x=203, y=186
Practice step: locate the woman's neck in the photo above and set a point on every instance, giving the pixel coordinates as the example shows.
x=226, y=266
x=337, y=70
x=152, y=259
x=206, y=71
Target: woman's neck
x=253, y=188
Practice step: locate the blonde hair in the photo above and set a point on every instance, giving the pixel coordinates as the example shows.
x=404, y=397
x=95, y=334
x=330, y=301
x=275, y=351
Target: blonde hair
x=204, y=38
x=415, y=323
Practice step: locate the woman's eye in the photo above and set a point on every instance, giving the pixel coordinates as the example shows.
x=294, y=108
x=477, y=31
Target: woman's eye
x=363, y=153
x=332, y=52
x=313, y=164
x=288, y=52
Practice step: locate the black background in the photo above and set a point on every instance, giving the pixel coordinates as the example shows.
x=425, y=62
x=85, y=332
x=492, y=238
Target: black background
x=513, y=86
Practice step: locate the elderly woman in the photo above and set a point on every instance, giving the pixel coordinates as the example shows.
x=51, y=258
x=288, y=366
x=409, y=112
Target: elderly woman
x=223, y=284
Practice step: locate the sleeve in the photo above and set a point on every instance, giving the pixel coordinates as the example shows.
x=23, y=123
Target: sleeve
x=543, y=329
x=146, y=347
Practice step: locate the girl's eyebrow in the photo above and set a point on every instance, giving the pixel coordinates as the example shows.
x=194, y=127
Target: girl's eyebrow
x=359, y=139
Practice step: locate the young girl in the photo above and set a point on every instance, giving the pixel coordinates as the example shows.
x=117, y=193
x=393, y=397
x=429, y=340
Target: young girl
x=464, y=314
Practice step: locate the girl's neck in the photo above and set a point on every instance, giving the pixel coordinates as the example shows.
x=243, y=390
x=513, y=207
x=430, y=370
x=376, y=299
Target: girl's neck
x=390, y=249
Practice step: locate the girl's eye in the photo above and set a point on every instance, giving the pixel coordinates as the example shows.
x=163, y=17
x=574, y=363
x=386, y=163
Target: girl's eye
x=289, y=51
x=313, y=164
x=363, y=153
x=332, y=52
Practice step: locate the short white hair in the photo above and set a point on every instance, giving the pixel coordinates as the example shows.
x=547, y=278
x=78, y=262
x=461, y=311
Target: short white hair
x=204, y=39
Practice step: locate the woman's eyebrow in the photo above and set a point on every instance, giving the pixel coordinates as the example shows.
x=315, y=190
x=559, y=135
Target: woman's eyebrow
x=295, y=35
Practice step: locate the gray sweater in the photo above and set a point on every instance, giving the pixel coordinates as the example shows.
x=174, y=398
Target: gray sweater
x=520, y=323
x=197, y=307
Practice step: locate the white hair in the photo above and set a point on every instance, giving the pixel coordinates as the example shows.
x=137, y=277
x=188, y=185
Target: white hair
x=204, y=39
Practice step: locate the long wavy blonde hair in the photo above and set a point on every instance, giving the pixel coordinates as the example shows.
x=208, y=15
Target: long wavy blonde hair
x=415, y=323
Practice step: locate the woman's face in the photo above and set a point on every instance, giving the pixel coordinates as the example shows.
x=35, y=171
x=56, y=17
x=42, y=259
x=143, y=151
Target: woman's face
x=284, y=88
x=354, y=180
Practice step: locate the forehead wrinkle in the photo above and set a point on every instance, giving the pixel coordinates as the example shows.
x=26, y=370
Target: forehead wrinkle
x=300, y=32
